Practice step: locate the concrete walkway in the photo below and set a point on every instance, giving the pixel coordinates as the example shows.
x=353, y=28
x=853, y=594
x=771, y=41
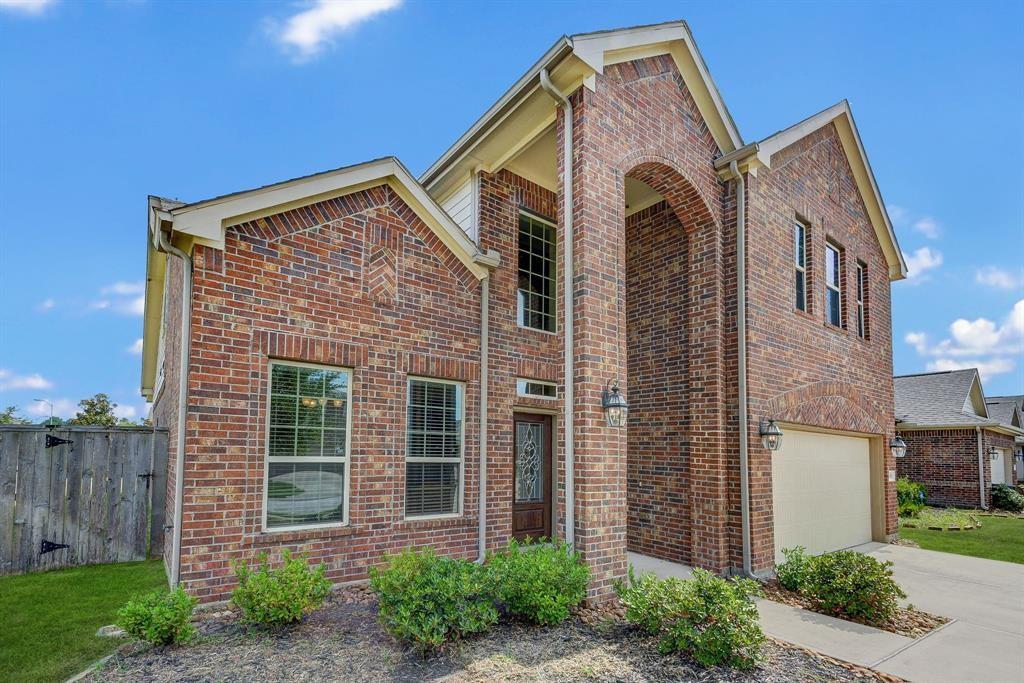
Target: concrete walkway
x=984, y=642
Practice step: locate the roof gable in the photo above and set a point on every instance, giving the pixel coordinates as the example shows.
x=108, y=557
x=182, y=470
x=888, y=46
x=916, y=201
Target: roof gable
x=940, y=399
x=840, y=115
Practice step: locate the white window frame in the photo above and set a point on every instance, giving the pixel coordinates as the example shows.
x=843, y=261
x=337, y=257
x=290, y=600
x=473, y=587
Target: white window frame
x=462, y=449
x=522, y=394
x=554, y=276
x=801, y=267
x=862, y=328
x=837, y=288
x=305, y=458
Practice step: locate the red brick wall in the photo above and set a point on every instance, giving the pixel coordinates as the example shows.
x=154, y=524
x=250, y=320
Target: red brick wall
x=946, y=462
x=657, y=469
x=802, y=369
x=308, y=285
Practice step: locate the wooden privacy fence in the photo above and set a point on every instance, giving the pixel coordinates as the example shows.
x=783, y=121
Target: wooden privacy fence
x=99, y=491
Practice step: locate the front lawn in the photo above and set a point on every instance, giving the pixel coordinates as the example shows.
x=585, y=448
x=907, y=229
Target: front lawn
x=50, y=618
x=999, y=538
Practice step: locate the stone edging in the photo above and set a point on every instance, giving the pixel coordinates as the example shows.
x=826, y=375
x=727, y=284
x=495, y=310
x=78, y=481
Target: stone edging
x=89, y=669
x=849, y=666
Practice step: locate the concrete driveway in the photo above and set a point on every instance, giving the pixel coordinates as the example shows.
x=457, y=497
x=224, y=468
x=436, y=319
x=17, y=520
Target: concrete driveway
x=985, y=600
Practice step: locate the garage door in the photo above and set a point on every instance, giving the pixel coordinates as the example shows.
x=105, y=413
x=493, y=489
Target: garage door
x=821, y=488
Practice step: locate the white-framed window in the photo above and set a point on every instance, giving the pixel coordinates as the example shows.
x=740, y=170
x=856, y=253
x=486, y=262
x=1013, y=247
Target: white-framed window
x=833, y=293
x=862, y=285
x=435, y=444
x=536, y=295
x=309, y=427
x=535, y=388
x=800, y=263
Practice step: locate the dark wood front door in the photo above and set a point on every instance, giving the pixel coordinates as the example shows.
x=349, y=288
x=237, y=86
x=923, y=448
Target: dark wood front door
x=531, y=477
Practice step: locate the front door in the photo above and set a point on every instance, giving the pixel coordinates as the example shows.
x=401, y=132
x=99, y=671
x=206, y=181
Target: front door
x=531, y=477
x=999, y=466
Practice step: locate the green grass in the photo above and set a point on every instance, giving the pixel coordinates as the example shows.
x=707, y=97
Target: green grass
x=941, y=517
x=50, y=619
x=999, y=538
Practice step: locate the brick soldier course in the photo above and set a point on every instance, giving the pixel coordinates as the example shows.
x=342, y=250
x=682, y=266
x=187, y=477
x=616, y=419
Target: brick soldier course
x=361, y=277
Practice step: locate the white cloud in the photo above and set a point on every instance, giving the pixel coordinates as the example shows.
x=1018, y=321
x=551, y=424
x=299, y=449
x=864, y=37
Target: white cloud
x=10, y=381
x=993, y=276
x=928, y=227
x=127, y=412
x=897, y=214
x=305, y=34
x=920, y=262
x=34, y=7
x=126, y=298
x=46, y=305
x=62, y=407
x=136, y=348
x=124, y=288
x=981, y=343
x=987, y=369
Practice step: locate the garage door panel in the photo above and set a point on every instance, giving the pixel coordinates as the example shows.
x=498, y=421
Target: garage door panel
x=821, y=490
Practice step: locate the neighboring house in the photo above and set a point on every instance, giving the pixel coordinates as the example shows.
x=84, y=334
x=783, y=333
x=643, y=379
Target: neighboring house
x=1009, y=410
x=376, y=361
x=958, y=445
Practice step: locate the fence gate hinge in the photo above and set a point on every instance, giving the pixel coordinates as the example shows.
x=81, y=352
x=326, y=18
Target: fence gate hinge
x=52, y=441
x=48, y=547
x=148, y=476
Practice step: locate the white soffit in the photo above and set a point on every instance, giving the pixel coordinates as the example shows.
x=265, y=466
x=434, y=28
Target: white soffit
x=842, y=117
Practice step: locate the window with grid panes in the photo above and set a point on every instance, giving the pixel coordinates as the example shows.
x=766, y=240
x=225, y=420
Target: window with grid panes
x=307, y=446
x=536, y=300
x=833, y=295
x=800, y=261
x=433, y=469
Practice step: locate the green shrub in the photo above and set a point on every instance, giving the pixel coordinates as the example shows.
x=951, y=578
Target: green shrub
x=793, y=569
x=713, y=619
x=1007, y=498
x=910, y=497
x=279, y=596
x=538, y=582
x=429, y=600
x=160, y=617
x=850, y=584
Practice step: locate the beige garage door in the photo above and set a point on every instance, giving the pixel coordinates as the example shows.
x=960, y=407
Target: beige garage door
x=821, y=488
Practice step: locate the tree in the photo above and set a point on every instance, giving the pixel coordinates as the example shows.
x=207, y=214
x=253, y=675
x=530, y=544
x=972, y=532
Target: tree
x=98, y=410
x=9, y=416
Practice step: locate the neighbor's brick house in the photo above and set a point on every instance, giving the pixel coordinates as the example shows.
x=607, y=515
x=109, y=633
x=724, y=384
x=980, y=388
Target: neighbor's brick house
x=344, y=328
x=958, y=443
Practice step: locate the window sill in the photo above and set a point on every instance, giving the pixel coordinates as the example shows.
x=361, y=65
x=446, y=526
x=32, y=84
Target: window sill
x=447, y=522
x=271, y=537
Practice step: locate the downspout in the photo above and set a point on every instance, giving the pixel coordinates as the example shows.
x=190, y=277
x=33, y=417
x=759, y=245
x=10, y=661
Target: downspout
x=981, y=469
x=568, y=399
x=485, y=301
x=741, y=345
x=161, y=243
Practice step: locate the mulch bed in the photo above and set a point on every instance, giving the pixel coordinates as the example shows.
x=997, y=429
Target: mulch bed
x=343, y=641
x=909, y=622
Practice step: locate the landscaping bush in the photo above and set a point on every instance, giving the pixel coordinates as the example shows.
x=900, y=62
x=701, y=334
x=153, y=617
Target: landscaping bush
x=793, y=569
x=429, y=600
x=713, y=619
x=538, y=582
x=160, y=617
x=1007, y=498
x=910, y=497
x=275, y=597
x=850, y=584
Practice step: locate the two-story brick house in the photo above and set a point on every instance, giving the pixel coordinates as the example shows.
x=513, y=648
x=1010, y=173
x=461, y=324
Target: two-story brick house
x=358, y=361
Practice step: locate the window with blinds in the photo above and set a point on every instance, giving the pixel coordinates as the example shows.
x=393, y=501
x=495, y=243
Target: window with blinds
x=434, y=448
x=307, y=446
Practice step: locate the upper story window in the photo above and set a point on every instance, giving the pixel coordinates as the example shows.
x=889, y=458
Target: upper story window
x=307, y=446
x=800, y=263
x=833, y=282
x=862, y=291
x=434, y=445
x=536, y=304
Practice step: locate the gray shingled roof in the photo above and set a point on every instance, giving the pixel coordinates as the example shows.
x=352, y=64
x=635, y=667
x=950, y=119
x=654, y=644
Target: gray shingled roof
x=936, y=399
x=1000, y=408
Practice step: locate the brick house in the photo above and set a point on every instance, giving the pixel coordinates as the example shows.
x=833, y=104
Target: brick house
x=958, y=444
x=358, y=361
x=1009, y=410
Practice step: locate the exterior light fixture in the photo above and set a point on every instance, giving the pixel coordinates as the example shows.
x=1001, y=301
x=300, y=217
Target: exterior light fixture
x=993, y=453
x=898, y=446
x=771, y=435
x=614, y=404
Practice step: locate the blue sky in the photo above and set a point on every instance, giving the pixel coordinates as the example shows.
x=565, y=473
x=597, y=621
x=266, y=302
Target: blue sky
x=102, y=103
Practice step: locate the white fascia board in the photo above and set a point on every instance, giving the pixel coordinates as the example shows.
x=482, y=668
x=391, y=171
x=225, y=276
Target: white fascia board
x=863, y=175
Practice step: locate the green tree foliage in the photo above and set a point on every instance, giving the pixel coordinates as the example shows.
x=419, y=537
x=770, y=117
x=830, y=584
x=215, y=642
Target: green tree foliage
x=98, y=411
x=9, y=416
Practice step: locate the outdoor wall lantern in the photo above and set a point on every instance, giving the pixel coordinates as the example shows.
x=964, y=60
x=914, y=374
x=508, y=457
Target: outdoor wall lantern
x=898, y=446
x=771, y=435
x=992, y=453
x=614, y=404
